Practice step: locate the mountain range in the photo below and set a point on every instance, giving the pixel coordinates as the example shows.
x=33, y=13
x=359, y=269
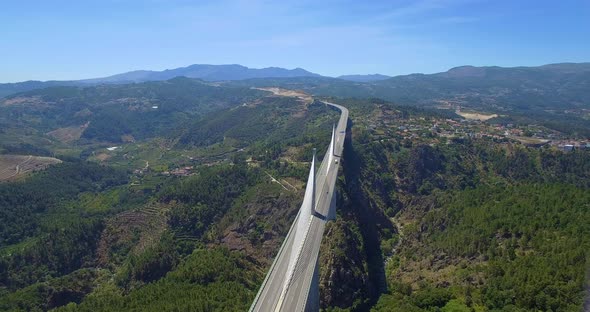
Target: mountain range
x=234, y=72
x=199, y=71
x=205, y=72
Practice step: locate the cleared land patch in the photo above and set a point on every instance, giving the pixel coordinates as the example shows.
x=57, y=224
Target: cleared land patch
x=306, y=98
x=475, y=115
x=530, y=141
x=21, y=100
x=132, y=231
x=69, y=134
x=13, y=166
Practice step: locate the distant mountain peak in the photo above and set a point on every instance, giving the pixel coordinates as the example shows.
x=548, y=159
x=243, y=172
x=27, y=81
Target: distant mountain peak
x=465, y=71
x=483, y=71
x=206, y=72
x=364, y=78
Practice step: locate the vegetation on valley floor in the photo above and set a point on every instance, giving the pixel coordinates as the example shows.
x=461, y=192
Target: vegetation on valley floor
x=464, y=224
x=485, y=226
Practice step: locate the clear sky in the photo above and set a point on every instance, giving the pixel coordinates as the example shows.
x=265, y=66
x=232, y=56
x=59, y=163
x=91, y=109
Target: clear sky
x=58, y=39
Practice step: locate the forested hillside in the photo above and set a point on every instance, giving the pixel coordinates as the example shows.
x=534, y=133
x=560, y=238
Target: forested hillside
x=111, y=112
x=472, y=224
x=177, y=195
x=100, y=236
x=554, y=95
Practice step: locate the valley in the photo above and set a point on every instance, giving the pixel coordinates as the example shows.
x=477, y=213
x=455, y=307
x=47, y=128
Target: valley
x=122, y=198
x=289, y=156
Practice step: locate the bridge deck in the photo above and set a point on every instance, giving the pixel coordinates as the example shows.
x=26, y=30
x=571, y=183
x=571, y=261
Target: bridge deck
x=275, y=293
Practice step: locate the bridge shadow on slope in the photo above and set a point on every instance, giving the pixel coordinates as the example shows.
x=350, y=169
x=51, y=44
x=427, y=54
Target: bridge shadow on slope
x=368, y=217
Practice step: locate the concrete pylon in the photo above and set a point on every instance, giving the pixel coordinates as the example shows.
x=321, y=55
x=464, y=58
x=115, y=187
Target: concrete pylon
x=313, y=183
x=334, y=140
x=300, y=228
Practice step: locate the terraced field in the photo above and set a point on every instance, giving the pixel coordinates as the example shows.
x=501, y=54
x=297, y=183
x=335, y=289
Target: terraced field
x=14, y=166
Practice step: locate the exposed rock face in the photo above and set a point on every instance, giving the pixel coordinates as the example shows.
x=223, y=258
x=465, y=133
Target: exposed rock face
x=344, y=279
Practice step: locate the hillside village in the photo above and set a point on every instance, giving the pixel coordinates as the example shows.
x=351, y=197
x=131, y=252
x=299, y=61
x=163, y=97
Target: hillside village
x=390, y=124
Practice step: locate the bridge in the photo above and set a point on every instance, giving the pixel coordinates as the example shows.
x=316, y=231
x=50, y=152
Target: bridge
x=292, y=283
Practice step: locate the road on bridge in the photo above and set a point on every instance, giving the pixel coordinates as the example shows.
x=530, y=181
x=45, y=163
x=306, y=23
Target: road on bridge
x=289, y=284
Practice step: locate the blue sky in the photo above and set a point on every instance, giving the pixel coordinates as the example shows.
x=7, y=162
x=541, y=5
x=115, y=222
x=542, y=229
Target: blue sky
x=60, y=39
